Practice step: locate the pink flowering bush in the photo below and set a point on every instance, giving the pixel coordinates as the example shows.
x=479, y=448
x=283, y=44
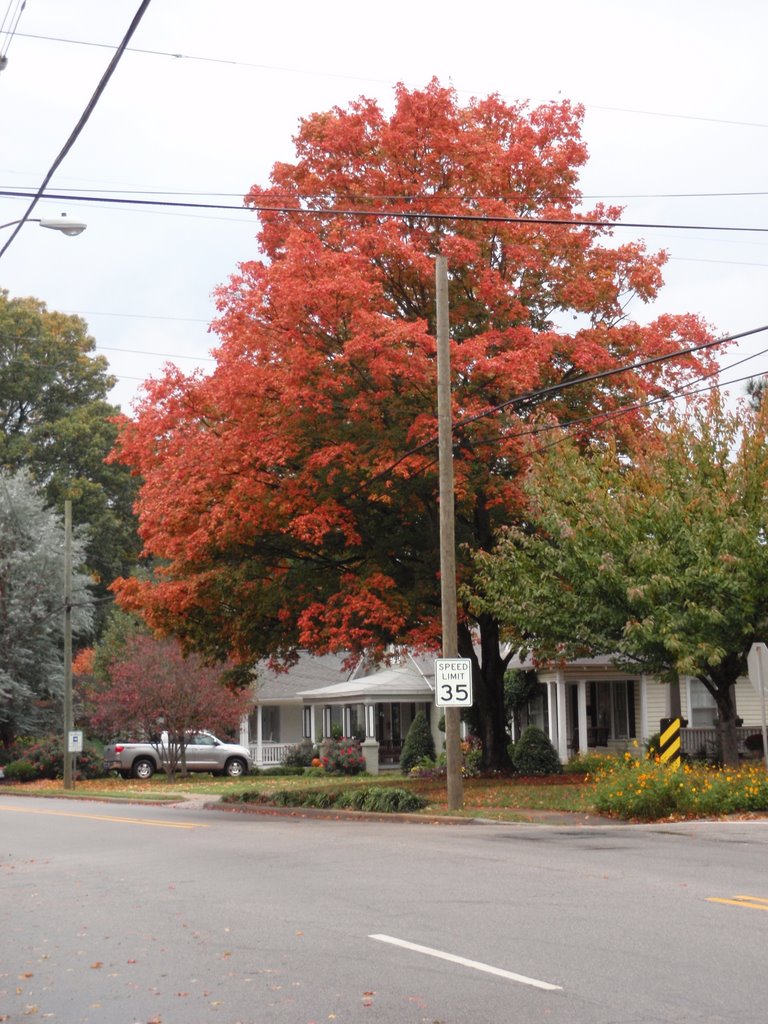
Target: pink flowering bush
x=343, y=757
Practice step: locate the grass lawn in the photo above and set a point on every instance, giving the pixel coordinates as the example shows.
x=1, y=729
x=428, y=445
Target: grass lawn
x=495, y=798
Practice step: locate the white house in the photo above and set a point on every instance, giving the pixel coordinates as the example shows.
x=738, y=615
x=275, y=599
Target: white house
x=318, y=696
x=588, y=704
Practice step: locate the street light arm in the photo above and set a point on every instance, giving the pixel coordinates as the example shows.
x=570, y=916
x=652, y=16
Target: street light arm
x=66, y=227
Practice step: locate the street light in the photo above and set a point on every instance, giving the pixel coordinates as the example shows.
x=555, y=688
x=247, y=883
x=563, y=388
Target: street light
x=66, y=227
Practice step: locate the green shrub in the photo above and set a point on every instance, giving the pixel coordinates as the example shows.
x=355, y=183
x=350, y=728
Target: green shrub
x=20, y=771
x=45, y=758
x=418, y=743
x=653, y=746
x=471, y=757
x=300, y=755
x=429, y=768
x=533, y=754
x=378, y=799
x=281, y=770
x=592, y=764
x=343, y=757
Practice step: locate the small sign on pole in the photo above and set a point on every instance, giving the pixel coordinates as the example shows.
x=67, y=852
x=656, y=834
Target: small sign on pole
x=453, y=682
x=75, y=741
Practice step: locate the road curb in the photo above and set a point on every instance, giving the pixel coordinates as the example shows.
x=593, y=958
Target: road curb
x=337, y=814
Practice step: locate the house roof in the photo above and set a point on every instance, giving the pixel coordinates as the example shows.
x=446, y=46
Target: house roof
x=327, y=676
x=404, y=682
x=324, y=678
x=310, y=671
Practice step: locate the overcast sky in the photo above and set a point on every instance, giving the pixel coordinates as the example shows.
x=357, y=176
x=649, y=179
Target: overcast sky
x=209, y=96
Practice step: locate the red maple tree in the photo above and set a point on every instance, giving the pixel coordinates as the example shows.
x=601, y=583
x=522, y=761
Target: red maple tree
x=153, y=688
x=291, y=495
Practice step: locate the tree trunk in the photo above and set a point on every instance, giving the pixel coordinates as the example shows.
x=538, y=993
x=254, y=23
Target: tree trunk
x=728, y=724
x=488, y=692
x=720, y=685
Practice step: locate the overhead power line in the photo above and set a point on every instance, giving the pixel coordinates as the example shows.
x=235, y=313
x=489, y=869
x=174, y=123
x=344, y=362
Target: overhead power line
x=381, y=197
x=364, y=78
x=84, y=117
x=529, y=396
x=408, y=214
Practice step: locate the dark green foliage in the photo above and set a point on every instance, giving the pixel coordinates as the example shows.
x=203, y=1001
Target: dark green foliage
x=45, y=761
x=300, y=755
x=418, y=743
x=20, y=771
x=653, y=746
x=56, y=422
x=520, y=687
x=533, y=754
x=376, y=799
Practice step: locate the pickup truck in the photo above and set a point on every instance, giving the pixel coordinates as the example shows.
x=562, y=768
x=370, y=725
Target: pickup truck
x=204, y=753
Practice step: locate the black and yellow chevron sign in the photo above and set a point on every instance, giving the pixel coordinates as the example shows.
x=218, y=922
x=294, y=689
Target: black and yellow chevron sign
x=669, y=742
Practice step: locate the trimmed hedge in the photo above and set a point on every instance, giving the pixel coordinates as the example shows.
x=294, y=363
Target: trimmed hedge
x=418, y=743
x=533, y=754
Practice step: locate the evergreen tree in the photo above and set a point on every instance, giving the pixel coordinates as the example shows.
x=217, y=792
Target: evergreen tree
x=32, y=607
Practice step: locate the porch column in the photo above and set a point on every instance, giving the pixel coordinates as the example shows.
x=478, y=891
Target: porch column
x=643, y=728
x=581, y=699
x=244, y=734
x=259, y=751
x=552, y=712
x=370, y=745
x=562, y=719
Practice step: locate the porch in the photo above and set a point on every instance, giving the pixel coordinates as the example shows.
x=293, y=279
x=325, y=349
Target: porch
x=703, y=743
x=268, y=754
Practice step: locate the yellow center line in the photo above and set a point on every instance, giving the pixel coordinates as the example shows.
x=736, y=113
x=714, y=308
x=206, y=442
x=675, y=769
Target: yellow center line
x=104, y=817
x=755, y=902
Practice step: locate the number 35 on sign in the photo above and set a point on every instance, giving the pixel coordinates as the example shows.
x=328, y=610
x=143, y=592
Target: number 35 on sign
x=453, y=682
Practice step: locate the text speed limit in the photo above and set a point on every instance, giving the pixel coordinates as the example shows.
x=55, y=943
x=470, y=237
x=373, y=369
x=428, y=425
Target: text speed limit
x=453, y=682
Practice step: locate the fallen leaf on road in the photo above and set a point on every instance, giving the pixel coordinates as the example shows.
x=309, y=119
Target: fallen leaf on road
x=96, y=965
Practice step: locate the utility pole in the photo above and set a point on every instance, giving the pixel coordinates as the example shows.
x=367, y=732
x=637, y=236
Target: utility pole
x=447, y=529
x=68, y=719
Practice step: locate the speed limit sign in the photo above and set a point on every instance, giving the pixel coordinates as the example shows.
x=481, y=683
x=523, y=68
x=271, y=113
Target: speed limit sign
x=453, y=682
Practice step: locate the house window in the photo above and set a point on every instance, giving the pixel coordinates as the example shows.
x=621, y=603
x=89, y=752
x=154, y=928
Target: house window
x=701, y=703
x=306, y=716
x=611, y=711
x=270, y=724
x=538, y=711
x=396, y=727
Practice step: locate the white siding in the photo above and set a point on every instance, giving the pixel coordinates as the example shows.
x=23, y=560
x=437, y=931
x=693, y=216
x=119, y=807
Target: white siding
x=748, y=703
x=658, y=704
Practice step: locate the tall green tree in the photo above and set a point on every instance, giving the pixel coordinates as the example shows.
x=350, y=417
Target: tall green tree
x=292, y=495
x=56, y=422
x=32, y=607
x=661, y=561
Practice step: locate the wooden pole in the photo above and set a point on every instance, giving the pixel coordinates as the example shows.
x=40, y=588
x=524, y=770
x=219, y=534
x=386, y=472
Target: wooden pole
x=68, y=719
x=447, y=529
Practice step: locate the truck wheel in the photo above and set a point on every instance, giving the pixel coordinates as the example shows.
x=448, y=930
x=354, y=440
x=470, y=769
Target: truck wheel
x=143, y=768
x=235, y=767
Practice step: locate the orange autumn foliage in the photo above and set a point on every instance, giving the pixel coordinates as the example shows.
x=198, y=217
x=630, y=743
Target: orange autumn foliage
x=290, y=497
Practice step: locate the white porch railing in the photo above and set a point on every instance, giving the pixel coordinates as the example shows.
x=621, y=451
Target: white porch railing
x=269, y=753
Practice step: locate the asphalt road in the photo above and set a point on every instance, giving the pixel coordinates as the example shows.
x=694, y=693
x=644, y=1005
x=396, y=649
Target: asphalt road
x=115, y=914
